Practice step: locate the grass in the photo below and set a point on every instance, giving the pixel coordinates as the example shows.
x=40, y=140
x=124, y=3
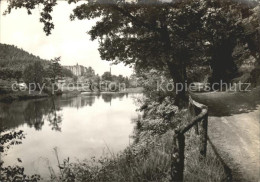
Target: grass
x=147, y=162
x=143, y=162
x=209, y=169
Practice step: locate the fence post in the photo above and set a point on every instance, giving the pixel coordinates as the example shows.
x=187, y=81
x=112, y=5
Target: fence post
x=177, y=161
x=196, y=127
x=194, y=112
x=203, y=136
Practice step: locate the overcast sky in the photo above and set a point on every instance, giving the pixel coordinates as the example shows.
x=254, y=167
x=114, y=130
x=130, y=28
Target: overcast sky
x=68, y=39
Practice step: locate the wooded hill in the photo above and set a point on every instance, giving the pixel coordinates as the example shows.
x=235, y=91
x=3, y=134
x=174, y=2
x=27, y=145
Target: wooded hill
x=12, y=57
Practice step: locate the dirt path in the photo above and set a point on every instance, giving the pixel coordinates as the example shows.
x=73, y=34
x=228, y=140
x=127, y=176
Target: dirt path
x=234, y=128
x=237, y=138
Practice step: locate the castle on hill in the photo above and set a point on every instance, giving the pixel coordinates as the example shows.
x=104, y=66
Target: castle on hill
x=77, y=70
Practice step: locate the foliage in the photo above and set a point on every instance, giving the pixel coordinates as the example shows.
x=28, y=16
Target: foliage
x=147, y=160
x=66, y=72
x=199, y=74
x=34, y=73
x=107, y=76
x=209, y=169
x=255, y=77
x=158, y=118
x=89, y=73
x=97, y=79
x=13, y=173
x=9, y=139
x=154, y=83
x=55, y=69
x=17, y=75
x=45, y=12
x=151, y=163
x=115, y=80
x=13, y=58
x=16, y=174
x=7, y=73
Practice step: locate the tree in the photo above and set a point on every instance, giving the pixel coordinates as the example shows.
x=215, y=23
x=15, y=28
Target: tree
x=55, y=69
x=90, y=73
x=66, y=72
x=223, y=31
x=34, y=73
x=75, y=78
x=17, y=75
x=155, y=34
x=6, y=74
x=107, y=76
x=97, y=81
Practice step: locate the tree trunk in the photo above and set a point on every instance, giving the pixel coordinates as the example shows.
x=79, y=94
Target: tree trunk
x=178, y=74
x=177, y=68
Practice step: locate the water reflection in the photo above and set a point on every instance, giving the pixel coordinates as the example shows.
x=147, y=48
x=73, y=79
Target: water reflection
x=77, y=102
x=108, y=97
x=33, y=113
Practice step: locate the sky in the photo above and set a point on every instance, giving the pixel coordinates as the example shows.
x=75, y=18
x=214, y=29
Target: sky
x=68, y=39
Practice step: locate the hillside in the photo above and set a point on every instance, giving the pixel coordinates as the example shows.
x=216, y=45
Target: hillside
x=14, y=58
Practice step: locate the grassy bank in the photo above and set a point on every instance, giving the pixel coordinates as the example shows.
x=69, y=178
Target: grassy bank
x=145, y=161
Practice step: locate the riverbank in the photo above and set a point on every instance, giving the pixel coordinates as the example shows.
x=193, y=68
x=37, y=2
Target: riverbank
x=21, y=95
x=127, y=90
x=24, y=95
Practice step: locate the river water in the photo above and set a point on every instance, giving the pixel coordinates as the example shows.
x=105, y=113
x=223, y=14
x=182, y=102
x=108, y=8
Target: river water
x=79, y=127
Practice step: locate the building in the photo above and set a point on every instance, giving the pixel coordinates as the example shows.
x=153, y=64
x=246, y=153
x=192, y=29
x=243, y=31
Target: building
x=77, y=70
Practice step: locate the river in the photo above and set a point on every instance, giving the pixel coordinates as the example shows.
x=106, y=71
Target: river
x=79, y=127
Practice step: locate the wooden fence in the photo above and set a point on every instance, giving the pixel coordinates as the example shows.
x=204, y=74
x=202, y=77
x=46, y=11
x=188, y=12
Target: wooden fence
x=200, y=123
